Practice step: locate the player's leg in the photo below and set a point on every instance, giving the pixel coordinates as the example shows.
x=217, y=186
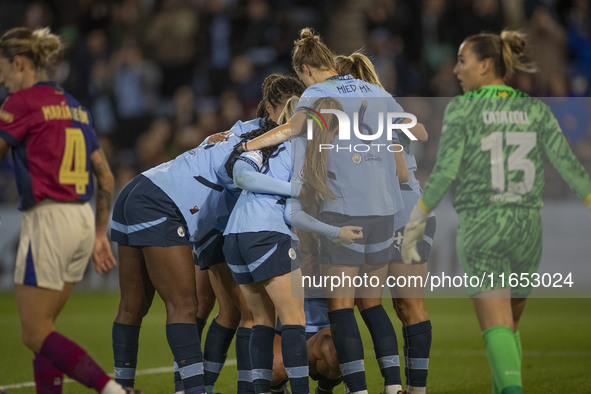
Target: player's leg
x=38, y=308
x=136, y=298
x=279, y=377
x=345, y=331
x=517, y=307
x=205, y=298
x=223, y=327
x=409, y=305
x=262, y=335
x=323, y=361
x=49, y=262
x=288, y=300
x=493, y=309
x=380, y=328
x=485, y=241
x=172, y=274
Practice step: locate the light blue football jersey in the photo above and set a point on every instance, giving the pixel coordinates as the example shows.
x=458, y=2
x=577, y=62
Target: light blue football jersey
x=255, y=212
x=198, y=183
x=361, y=173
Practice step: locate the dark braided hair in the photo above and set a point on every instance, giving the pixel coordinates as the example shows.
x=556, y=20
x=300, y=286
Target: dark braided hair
x=277, y=88
x=266, y=125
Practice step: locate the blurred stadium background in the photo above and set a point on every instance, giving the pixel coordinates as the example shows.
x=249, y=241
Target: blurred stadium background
x=161, y=75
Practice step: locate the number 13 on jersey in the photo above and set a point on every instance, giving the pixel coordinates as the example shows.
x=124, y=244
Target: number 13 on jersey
x=73, y=168
x=517, y=160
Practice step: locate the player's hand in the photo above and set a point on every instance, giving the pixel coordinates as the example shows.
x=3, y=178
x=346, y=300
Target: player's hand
x=413, y=233
x=218, y=137
x=102, y=256
x=349, y=234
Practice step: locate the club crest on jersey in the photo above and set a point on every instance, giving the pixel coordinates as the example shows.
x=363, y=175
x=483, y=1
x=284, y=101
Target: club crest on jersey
x=356, y=158
x=292, y=253
x=180, y=231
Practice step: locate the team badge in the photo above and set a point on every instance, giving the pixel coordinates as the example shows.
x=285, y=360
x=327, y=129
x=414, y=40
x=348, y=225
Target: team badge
x=180, y=231
x=292, y=253
x=356, y=158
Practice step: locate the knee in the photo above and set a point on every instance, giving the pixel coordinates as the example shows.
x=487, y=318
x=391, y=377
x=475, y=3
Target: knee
x=181, y=309
x=410, y=312
x=205, y=304
x=33, y=337
x=228, y=316
x=132, y=313
x=329, y=355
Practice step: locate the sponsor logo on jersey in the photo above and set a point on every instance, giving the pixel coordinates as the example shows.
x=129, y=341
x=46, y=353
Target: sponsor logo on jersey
x=6, y=116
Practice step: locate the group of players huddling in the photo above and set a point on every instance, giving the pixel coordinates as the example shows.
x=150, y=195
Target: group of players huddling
x=255, y=208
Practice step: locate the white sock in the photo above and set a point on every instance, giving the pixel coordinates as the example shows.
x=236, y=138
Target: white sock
x=392, y=389
x=112, y=388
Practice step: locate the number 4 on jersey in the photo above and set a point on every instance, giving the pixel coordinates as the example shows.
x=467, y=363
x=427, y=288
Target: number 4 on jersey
x=73, y=168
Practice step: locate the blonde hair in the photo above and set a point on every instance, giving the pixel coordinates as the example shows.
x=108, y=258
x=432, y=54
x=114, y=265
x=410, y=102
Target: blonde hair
x=506, y=50
x=288, y=110
x=37, y=45
x=315, y=170
x=311, y=51
x=359, y=66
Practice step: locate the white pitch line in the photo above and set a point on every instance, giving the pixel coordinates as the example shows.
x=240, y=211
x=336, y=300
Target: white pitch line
x=149, y=371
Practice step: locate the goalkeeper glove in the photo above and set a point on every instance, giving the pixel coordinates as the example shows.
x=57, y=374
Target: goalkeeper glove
x=413, y=233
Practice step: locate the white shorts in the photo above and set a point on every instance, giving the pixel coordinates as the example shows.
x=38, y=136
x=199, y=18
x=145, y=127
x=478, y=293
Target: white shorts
x=56, y=242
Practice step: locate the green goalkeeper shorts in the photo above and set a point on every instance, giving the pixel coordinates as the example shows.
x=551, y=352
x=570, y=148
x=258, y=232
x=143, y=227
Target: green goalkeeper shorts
x=499, y=243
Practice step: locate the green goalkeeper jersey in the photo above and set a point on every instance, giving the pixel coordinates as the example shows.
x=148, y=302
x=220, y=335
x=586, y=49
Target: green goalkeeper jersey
x=492, y=142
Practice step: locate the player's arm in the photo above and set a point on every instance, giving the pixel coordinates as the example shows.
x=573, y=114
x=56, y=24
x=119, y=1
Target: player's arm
x=564, y=160
x=447, y=166
x=418, y=130
x=102, y=256
x=298, y=218
x=279, y=134
x=401, y=167
x=247, y=177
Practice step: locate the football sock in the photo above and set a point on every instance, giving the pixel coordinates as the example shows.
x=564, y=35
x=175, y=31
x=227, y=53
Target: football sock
x=519, y=349
x=243, y=360
x=200, y=326
x=326, y=385
x=48, y=379
x=261, y=357
x=72, y=360
x=184, y=342
x=503, y=358
x=295, y=357
x=215, y=351
x=125, y=346
x=417, y=346
x=347, y=342
x=384, y=343
x=178, y=382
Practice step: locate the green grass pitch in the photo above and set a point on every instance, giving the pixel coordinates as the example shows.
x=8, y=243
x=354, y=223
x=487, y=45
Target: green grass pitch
x=556, y=336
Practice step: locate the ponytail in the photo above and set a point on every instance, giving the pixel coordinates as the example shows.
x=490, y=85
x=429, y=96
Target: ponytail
x=37, y=45
x=311, y=51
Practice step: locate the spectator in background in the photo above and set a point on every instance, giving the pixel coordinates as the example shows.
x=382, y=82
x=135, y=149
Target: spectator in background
x=135, y=92
x=171, y=37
